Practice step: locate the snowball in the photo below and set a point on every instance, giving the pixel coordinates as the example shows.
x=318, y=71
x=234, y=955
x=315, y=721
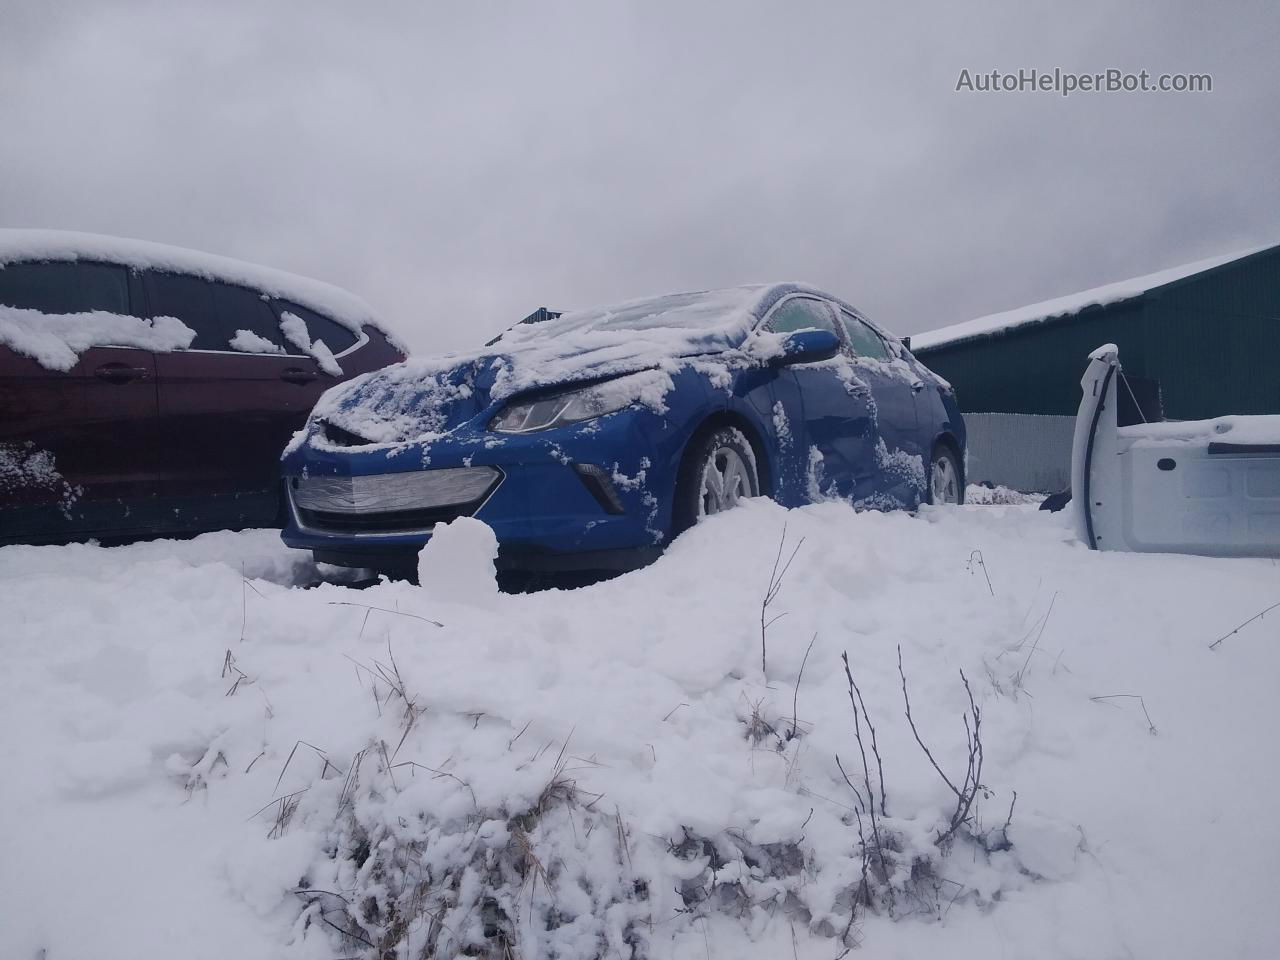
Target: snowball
x=457, y=562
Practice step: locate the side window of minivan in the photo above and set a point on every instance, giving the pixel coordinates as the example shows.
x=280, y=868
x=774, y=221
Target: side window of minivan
x=240, y=308
x=335, y=336
x=190, y=299
x=61, y=286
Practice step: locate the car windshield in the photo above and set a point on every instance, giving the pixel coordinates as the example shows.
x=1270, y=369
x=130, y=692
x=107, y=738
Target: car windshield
x=700, y=311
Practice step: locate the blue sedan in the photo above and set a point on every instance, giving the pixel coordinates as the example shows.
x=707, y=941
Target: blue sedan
x=589, y=440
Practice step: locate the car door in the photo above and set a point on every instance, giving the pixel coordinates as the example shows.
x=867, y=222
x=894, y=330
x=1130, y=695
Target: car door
x=226, y=412
x=900, y=462
x=274, y=391
x=828, y=418
x=76, y=446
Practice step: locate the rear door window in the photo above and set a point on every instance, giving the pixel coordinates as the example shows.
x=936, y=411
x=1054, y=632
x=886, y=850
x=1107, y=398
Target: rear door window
x=241, y=309
x=190, y=299
x=864, y=341
x=65, y=287
x=335, y=336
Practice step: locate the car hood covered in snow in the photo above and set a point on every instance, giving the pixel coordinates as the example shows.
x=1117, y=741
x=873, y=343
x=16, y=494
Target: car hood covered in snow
x=426, y=397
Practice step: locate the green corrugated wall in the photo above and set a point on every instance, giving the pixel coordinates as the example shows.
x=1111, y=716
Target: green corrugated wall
x=1212, y=340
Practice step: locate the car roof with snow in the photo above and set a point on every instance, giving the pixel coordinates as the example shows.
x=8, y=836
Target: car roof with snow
x=64, y=245
x=727, y=313
x=997, y=324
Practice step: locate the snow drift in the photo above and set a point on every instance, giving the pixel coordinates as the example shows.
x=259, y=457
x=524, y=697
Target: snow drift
x=202, y=758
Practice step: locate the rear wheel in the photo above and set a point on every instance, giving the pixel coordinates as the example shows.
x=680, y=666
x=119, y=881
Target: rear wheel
x=718, y=472
x=945, y=485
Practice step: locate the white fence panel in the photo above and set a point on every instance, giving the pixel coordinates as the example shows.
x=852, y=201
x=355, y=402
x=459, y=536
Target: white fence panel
x=1022, y=451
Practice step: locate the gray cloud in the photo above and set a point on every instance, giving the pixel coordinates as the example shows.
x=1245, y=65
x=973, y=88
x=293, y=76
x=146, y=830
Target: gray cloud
x=458, y=165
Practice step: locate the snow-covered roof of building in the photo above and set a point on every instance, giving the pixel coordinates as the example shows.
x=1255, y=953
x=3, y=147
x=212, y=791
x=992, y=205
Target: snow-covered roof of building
x=346, y=308
x=999, y=323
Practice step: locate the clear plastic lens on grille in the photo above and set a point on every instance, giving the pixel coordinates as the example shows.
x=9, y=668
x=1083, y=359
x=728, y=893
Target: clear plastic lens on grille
x=564, y=408
x=393, y=492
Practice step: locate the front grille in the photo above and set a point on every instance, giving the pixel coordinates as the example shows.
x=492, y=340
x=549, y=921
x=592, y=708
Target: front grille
x=393, y=502
x=409, y=521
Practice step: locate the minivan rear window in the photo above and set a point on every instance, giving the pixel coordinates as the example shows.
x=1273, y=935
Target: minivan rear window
x=61, y=286
x=335, y=336
x=190, y=299
x=240, y=308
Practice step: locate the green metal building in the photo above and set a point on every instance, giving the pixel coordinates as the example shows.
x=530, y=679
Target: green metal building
x=1205, y=337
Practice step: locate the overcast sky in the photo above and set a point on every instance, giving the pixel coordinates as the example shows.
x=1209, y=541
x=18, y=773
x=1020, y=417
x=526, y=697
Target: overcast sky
x=459, y=164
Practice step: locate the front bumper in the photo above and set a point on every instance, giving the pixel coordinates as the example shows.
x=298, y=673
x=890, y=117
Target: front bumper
x=564, y=499
x=408, y=502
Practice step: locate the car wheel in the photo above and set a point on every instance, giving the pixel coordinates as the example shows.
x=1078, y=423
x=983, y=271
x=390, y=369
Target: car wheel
x=719, y=472
x=944, y=476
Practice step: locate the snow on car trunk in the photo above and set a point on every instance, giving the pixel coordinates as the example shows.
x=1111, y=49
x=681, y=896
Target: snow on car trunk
x=202, y=763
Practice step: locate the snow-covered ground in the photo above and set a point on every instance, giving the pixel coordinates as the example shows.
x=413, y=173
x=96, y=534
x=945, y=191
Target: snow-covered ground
x=199, y=758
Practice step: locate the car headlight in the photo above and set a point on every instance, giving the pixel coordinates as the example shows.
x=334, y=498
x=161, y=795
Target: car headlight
x=559, y=410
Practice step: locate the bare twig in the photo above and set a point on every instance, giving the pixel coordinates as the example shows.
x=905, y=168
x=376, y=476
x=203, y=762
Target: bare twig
x=795, y=698
x=1009, y=819
x=320, y=753
x=512, y=741
x=1256, y=616
x=975, y=557
x=875, y=747
x=1044, y=622
x=776, y=577
x=387, y=765
x=875, y=852
x=353, y=778
x=1151, y=727
x=916, y=733
x=673, y=710
x=856, y=792
x=865, y=887
x=440, y=774
x=398, y=613
x=967, y=792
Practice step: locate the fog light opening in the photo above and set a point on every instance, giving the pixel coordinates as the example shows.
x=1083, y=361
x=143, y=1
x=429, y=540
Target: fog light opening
x=598, y=484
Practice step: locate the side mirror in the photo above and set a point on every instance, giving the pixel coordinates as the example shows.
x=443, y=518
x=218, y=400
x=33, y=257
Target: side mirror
x=807, y=346
x=906, y=343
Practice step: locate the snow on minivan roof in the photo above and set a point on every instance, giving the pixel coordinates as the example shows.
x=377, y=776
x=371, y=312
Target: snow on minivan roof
x=45, y=245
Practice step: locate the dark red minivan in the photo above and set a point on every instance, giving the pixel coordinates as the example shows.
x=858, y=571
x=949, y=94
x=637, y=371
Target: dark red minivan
x=146, y=389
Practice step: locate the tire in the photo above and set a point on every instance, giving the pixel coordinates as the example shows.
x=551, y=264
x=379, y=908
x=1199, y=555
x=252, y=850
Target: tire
x=946, y=480
x=723, y=454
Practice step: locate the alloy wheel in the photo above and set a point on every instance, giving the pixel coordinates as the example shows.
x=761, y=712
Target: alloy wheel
x=726, y=479
x=944, y=482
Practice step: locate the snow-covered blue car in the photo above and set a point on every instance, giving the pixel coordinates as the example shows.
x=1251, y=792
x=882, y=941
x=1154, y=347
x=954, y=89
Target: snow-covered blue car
x=591, y=439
